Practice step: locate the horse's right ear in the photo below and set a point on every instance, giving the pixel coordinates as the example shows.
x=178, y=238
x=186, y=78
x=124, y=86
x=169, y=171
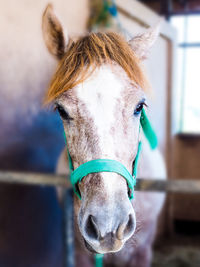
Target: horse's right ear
x=141, y=44
x=53, y=33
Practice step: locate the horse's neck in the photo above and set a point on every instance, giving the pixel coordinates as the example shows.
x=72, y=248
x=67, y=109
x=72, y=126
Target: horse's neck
x=151, y=163
x=63, y=164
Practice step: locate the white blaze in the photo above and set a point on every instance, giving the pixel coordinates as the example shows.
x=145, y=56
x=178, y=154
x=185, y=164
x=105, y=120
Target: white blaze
x=100, y=93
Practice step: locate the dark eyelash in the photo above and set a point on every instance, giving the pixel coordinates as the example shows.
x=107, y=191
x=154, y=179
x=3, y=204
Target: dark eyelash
x=63, y=113
x=139, y=108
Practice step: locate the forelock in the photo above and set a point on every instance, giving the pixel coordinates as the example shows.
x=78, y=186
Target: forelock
x=87, y=54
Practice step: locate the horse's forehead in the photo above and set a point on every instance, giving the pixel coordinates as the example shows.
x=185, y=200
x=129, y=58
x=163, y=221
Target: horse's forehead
x=103, y=87
x=101, y=95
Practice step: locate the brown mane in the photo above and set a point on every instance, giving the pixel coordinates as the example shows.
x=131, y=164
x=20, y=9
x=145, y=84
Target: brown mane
x=94, y=50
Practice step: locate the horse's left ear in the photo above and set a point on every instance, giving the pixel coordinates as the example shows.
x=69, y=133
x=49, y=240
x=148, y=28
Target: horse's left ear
x=141, y=44
x=53, y=33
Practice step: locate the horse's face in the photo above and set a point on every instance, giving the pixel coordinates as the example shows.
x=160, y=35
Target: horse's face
x=101, y=119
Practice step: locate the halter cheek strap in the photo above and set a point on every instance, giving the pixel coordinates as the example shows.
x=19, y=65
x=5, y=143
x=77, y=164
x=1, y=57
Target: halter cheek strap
x=148, y=130
x=108, y=165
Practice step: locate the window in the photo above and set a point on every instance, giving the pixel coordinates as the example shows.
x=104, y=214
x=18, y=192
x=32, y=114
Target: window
x=188, y=74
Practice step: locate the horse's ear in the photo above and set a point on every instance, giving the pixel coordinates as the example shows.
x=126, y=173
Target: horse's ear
x=53, y=34
x=141, y=44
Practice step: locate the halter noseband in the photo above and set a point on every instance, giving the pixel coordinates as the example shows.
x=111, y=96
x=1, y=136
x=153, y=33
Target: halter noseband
x=109, y=165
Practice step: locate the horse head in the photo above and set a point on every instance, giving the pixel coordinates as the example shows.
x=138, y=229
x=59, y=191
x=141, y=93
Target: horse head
x=99, y=91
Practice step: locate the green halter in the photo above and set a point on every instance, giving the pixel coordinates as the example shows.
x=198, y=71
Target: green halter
x=109, y=165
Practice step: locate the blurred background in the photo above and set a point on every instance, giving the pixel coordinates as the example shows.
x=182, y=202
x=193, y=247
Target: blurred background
x=31, y=137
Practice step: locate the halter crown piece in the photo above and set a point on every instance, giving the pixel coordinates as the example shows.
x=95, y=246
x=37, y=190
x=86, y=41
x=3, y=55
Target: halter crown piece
x=109, y=165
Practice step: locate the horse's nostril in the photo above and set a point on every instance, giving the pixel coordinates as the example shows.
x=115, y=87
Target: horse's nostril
x=91, y=228
x=128, y=231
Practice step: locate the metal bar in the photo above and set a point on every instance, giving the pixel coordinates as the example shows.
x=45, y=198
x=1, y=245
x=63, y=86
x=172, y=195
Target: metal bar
x=34, y=179
x=172, y=185
x=69, y=229
x=156, y=185
x=185, y=45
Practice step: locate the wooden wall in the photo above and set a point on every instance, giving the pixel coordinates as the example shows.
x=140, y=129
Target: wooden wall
x=186, y=165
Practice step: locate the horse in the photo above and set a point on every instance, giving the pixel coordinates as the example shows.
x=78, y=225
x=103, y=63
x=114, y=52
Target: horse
x=99, y=89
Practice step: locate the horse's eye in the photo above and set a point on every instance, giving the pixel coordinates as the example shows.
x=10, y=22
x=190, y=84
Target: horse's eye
x=138, y=109
x=63, y=113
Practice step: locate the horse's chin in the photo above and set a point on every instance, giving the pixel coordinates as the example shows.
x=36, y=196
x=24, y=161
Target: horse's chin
x=91, y=249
